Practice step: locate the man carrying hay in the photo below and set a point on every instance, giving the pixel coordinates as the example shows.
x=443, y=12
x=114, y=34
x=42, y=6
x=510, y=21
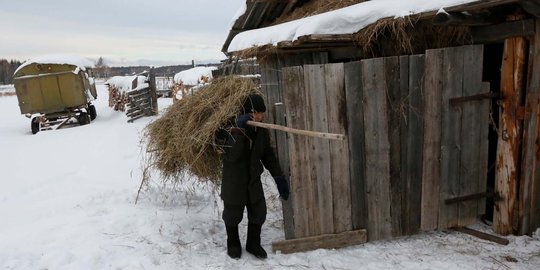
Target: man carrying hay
x=246, y=150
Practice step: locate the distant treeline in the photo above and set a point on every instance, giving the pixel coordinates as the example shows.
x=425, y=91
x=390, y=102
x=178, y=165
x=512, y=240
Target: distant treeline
x=7, y=68
x=101, y=70
x=165, y=71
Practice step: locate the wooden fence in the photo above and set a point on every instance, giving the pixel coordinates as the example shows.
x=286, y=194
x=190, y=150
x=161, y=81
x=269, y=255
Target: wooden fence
x=417, y=150
x=143, y=102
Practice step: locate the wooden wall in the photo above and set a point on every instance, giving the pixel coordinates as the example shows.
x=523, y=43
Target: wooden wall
x=416, y=157
x=409, y=148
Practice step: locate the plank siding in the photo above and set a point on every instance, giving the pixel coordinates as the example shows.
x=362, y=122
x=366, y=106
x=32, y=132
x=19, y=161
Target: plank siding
x=377, y=150
x=431, y=170
x=357, y=167
x=339, y=152
x=451, y=133
x=404, y=110
x=314, y=76
x=413, y=144
x=294, y=96
x=472, y=126
x=393, y=96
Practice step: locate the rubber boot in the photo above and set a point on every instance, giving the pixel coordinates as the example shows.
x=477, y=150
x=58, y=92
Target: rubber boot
x=234, y=248
x=253, y=243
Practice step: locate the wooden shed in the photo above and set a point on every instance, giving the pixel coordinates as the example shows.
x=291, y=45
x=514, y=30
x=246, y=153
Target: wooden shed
x=441, y=112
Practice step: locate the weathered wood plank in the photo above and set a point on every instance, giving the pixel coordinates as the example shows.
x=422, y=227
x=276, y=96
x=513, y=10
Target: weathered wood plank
x=403, y=127
x=327, y=241
x=414, y=144
x=500, y=32
x=530, y=172
x=431, y=179
x=294, y=97
x=283, y=157
x=355, y=119
x=483, y=115
x=320, y=148
x=512, y=76
x=377, y=150
x=471, y=129
x=451, y=133
x=393, y=97
x=339, y=150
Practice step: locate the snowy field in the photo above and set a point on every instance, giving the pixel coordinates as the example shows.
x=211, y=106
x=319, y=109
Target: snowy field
x=67, y=201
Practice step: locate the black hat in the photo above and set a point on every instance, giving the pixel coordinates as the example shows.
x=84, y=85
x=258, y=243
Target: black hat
x=253, y=103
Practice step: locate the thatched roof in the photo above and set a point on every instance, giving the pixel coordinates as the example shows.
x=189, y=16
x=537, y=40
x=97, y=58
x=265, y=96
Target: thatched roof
x=416, y=24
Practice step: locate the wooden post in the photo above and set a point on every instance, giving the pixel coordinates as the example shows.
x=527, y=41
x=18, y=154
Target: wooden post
x=530, y=173
x=506, y=175
x=153, y=92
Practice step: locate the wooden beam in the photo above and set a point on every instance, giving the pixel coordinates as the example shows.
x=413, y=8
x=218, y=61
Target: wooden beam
x=327, y=241
x=482, y=235
x=510, y=130
x=488, y=95
x=500, y=32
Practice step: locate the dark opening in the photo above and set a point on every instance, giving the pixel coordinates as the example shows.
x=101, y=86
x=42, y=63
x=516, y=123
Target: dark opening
x=493, y=54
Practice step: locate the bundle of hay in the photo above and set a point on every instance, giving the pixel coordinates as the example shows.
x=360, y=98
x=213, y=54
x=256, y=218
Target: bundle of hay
x=184, y=138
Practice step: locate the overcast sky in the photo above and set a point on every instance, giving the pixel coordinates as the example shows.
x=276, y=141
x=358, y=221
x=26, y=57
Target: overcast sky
x=123, y=32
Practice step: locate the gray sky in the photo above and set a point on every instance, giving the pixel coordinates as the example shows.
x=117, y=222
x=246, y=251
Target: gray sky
x=123, y=32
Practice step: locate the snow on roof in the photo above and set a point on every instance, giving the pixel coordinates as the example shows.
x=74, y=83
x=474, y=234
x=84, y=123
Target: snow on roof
x=74, y=60
x=193, y=75
x=346, y=20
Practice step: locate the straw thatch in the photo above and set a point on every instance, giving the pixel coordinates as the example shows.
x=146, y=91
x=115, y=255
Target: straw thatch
x=184, y=138
x=408, y=35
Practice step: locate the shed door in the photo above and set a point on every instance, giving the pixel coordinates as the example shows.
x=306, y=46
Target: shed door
x=460, y=125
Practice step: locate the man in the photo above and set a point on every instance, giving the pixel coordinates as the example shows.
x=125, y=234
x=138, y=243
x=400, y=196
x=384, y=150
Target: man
x=246, y=150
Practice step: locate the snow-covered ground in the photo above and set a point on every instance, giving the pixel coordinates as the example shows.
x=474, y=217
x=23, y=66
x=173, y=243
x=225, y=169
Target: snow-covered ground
x=67, y=201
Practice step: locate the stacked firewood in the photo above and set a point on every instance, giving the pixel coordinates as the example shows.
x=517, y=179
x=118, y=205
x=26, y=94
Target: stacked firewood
x=117, y=99
x=178, y=87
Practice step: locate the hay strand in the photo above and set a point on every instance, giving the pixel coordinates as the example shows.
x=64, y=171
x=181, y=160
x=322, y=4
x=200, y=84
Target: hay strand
x=184, y=138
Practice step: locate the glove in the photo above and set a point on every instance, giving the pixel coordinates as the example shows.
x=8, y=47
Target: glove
x=282, y=186
x=242, y=119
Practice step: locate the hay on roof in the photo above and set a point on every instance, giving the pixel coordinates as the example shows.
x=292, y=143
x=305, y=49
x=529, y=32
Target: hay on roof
x=408, y=35
x=184, y=138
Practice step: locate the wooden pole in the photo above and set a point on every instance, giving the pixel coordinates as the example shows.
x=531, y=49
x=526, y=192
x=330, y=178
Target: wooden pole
x=330, y=136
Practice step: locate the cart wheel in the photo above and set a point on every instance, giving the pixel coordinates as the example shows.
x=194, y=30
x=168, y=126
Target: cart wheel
x=92, y=112
x=35, y=125
x=83, y=118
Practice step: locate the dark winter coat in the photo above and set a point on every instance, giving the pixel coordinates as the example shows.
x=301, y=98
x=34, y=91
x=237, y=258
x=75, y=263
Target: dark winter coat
x=246, y=151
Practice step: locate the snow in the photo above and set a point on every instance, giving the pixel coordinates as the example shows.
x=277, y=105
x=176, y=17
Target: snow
x=346, y=20
x=7, y=88
x=67, y=201
x=69, y=59
x=125, y=83
x=193, y=76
